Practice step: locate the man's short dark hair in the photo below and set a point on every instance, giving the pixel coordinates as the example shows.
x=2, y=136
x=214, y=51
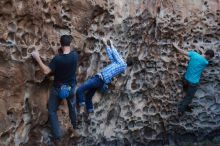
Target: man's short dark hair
x=210, y=53
x=65, y=40
x=129, y=62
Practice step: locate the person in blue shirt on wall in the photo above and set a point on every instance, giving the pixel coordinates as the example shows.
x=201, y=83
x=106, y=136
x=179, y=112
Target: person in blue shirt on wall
x=196, y=65
x=86, y=91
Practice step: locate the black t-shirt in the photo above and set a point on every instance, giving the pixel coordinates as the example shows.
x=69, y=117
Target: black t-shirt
x=64, y=68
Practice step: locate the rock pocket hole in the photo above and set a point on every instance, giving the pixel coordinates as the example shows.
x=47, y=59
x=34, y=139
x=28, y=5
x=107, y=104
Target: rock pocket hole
x=9, y=113
x=52, y=43
x=145, y=109
x=12, y=27
x=5, y=136
x=195, y=41
x=24, y=52
x=152, y=110
x=47, y=15
x=131, y=124
x=66, y=18
x=148, y=132
x=30, y=50
x=45, y=6
x=11, y=36
x=134, y=85
x=128, y=114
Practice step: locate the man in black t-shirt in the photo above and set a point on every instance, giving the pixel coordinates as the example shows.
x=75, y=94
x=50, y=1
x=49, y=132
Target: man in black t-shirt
x=63, y=67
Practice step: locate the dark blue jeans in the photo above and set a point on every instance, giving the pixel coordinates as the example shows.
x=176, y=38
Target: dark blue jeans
x=53, y=105
x=190, y=90
x=87, y=90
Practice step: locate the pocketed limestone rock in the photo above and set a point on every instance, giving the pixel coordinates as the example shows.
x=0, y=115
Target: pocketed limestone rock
x=140, y=107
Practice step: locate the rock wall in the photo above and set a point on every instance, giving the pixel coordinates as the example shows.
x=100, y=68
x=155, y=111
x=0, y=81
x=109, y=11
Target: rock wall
x=141, y=105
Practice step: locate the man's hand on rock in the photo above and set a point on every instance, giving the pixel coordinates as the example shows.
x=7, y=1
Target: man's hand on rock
x=175, y=44
x=179, y=49
x=111, y=43
x=105, y=41
x=108, y=42
x=35, y=55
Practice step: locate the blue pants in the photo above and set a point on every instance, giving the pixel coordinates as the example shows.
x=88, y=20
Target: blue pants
x=87, y=90
x=190, y=90
x=53, y=105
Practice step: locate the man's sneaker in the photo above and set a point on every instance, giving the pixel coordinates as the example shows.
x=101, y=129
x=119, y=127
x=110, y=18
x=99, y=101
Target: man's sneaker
x=55, y=142
x=189, y=109
x=88, y=117
x=81, y=110
x=74, y=133
x=180, y=114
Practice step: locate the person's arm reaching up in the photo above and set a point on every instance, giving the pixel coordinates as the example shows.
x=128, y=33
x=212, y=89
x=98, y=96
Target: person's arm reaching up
x=46, y=70
x=180, y=50
x=116, y=56
x=108, y=50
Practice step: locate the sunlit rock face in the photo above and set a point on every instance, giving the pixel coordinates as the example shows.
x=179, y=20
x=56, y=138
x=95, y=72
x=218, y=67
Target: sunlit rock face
x=141, y=106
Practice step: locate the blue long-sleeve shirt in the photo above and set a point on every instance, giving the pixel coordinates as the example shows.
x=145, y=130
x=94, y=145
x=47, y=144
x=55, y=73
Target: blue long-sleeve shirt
x=117, y=66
